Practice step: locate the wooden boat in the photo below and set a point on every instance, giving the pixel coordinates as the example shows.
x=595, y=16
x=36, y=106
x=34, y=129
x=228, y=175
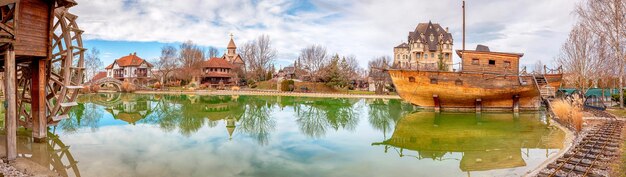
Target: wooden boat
x=488, y=81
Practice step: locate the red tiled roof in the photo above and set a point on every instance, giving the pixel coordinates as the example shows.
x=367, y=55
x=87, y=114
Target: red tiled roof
x=99, y=76
x=130, y=60
x=217, y=63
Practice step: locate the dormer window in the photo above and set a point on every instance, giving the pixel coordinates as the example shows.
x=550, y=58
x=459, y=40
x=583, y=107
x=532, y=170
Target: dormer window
x=432, y=38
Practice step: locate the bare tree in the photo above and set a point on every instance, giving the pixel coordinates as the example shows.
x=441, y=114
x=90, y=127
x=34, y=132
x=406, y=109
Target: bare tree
x=580, y=59
x=259, y=56
x=378, y=74
x=538, y=67
x=92, y=63
x=190, y=58
x=607, y=18
x=167, y=63
x=312, y=60
x=212, y=52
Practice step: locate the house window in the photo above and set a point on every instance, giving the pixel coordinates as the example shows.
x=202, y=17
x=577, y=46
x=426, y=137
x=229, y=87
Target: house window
x=458, y=82
x=507, y=64
x=475, y=61
x=492, y=62
x=425, y=56
x=432, y=37
x=433, y=81
x=418, y=55
x=411, y=79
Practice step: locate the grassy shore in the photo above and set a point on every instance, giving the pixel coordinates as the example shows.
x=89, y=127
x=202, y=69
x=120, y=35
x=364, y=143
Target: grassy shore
x=276, y=93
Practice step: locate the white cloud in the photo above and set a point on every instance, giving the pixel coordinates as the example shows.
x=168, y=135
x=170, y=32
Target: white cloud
x=363, y=28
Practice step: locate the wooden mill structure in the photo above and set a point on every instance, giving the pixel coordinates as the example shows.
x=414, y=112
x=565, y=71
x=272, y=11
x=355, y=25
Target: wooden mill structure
x=42, y=63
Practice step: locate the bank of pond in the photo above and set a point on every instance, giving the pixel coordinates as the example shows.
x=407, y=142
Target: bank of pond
x=117, y=134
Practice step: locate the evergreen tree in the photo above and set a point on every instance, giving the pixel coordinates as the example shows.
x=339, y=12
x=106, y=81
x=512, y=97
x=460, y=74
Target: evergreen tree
x=334, y=76
x=440, y=64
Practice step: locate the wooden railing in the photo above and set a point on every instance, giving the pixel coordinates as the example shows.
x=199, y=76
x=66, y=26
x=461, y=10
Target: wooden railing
x=558, y=70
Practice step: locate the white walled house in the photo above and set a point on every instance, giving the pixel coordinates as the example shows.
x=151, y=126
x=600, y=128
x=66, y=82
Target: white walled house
x=131, y=68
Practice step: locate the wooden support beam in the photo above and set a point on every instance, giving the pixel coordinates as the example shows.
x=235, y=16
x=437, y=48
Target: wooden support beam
x=479, y=105
x=437, y=103
x=11, y=111
x=38, y=104
x=516, y=103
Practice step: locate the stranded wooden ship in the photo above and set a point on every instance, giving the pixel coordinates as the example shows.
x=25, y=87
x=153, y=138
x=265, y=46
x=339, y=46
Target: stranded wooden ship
x=489, y=81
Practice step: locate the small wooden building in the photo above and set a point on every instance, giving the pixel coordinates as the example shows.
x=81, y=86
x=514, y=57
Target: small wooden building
x=217, y=73
x=43, y=63
x=482, y=60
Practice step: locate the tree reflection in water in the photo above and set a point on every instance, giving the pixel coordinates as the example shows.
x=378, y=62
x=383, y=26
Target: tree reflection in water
x=248, y=115
x=316, y=116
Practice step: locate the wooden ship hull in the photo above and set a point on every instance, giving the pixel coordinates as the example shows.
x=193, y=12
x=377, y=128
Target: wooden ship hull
x=459, y=91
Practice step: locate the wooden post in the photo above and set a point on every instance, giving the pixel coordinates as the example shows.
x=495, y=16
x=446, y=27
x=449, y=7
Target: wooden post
x=437, y=103
x=11, y=111
x=516, y=103
x=38, y=108
x=479, y=105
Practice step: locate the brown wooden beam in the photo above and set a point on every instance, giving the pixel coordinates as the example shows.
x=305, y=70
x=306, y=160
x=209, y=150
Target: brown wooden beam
x=11, y=111
x=437, y=103
x=516, y=103
x=38, y=95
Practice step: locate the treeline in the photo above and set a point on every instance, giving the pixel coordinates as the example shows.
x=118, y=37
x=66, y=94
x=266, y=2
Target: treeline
x=314, y=64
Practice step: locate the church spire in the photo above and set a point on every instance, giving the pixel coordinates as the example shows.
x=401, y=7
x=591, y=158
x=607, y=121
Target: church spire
x=231, y=44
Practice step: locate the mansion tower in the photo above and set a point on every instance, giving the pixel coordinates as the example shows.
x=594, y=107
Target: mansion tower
x=427, y=45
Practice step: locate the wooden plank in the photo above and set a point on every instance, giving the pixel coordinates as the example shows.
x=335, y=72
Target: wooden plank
x=69, y=104
x=33, y=31
x=11, y=112
x=38, y=110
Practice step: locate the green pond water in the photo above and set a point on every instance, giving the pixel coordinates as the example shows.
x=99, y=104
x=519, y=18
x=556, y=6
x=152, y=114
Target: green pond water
x=190, y=135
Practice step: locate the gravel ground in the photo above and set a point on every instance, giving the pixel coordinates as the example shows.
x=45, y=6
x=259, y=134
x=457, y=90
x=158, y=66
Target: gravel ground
x=8, y=170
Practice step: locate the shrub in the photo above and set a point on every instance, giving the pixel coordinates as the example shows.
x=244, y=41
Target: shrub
x=287, y=85
x=95, y=88
x=569, y=111
x=615, y=97
x=85, y=89
x=128, y=87
x=157, y=85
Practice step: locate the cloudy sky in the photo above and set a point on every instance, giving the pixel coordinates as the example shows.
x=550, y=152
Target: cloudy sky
x=364, y=28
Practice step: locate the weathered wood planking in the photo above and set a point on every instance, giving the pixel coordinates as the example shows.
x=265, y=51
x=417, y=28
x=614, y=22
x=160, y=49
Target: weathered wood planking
x=483, y=62
x=11, y=99
x=33, y=28
x=457, y=90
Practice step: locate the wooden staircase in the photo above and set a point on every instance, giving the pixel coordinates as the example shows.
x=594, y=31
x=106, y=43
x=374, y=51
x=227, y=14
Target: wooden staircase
x=545, y=89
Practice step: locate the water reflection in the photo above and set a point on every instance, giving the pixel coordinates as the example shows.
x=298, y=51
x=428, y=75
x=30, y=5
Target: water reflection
x=485, y=141
x=250, y=115
x=193, y=135
x=52, y=155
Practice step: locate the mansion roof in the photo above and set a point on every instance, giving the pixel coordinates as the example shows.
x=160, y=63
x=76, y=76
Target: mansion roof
x=403, y=45
x=217, y=63
x=424, y=31
x=130, y=60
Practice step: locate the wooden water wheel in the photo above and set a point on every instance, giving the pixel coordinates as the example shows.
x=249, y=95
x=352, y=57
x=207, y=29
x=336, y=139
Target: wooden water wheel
x=63, y=67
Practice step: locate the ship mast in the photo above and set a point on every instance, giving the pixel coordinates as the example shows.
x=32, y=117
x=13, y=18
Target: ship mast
x=463, y=27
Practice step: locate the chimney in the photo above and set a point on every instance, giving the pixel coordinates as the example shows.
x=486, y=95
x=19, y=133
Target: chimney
x=135, y=53
x=447, y=30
